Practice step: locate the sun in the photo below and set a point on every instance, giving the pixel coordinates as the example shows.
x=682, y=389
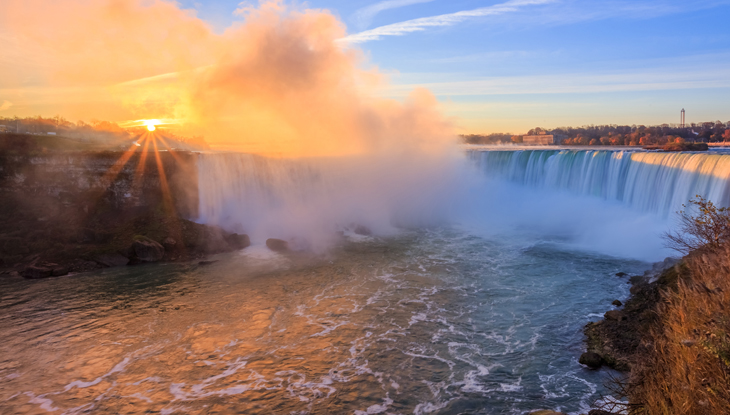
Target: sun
x=151, y=124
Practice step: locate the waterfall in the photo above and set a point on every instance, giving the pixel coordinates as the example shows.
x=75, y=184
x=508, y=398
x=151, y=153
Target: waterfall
x=312, y=199
x=652, y=182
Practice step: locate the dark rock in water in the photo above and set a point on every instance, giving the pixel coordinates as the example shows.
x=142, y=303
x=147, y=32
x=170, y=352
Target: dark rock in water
x=637, y=279
x=169, y=244
x=237, y=241
x=206, y=262
x=621, y=274
x=112, y=260
x=590, y=359
x=617, y=303
x=277, y=245
x=33, y=272
x=615, y=315
x=59, y=271
x=363, y=230
x=147, y=250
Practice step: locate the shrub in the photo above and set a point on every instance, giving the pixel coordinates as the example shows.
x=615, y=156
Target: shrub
x=684, y=364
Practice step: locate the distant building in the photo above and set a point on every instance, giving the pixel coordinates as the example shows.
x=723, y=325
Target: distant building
x=541, y=139
x=4, y=129
x=51, y=133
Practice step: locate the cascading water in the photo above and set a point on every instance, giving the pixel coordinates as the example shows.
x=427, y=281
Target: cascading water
x=659, y=183
x=311, y=199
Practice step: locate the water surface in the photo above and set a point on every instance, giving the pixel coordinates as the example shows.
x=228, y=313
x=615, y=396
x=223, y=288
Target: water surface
x=436, y=321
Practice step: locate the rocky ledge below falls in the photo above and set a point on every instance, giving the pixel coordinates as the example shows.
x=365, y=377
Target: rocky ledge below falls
x=113, y=243
x=615, y=340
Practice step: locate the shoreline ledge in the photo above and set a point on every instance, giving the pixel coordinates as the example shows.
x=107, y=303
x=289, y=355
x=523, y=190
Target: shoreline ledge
x=615, y=340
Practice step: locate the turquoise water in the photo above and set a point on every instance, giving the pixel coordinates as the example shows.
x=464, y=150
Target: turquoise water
x=430, y=321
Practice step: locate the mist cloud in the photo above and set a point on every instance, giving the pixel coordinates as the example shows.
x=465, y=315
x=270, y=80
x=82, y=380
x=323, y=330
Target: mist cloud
x=275, y=82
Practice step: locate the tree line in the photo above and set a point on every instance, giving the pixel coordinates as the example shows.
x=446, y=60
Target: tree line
x=622, y=135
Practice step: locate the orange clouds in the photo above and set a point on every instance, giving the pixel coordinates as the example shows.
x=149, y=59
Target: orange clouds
x=275, y=83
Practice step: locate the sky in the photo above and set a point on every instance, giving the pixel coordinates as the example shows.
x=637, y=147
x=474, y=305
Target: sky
x=508, y=66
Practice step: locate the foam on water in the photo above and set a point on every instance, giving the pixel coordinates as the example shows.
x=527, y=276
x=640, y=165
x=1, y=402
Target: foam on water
x=429, y=321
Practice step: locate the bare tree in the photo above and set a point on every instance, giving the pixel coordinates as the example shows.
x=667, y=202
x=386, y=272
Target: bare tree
x=703, y=226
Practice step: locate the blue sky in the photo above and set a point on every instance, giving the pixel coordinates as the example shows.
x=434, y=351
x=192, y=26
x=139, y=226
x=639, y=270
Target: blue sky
x=510, y=65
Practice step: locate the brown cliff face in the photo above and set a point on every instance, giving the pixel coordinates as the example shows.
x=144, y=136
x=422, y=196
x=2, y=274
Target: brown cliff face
x=73, y=208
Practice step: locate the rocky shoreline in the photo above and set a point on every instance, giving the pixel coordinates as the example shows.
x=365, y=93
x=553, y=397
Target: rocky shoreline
x=126, y=244
x=616, y=340
x=621, y=337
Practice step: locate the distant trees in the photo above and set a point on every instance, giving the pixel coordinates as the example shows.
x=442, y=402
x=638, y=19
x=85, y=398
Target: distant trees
x=619, y=135
x=486, y=139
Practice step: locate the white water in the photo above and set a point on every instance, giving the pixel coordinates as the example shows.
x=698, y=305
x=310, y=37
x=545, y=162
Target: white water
x=309, y=200
x=658, y=183
x=613, y=202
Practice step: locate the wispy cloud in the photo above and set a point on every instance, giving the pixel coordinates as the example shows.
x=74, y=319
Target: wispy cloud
x=578, y=83
x=364, y=16
x=416, y=25
x=5, y=105
x=561, y=12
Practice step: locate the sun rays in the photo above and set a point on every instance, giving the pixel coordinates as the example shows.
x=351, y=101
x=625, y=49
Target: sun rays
x=134, y=162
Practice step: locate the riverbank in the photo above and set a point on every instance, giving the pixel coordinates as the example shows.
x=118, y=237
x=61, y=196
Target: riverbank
x=671, y=338
x=615, y=340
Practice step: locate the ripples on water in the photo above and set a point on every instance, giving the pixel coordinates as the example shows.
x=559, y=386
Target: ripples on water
x=428, y=322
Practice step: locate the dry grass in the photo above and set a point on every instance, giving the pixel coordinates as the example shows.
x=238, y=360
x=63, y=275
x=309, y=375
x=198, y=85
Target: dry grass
x=685, y=364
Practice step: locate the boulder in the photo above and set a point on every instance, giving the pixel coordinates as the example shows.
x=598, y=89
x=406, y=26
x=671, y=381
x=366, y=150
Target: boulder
x=617, y=303
x=147, y=250
x=237, y=241
x=59, y=271
x=621, y=274
x=590, y=359
x=112, y=260
x=277, y=245
x=169, y=244
x=34, y=272
x=363, y=230
x=615, y=315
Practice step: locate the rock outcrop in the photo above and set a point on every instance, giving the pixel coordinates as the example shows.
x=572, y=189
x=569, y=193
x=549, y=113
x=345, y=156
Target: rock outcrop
x=112, y=260
x=590, y=359
x=277, y=245
x=147, y=250
x=237, y=241
x=34, y=272
x=617, y=338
